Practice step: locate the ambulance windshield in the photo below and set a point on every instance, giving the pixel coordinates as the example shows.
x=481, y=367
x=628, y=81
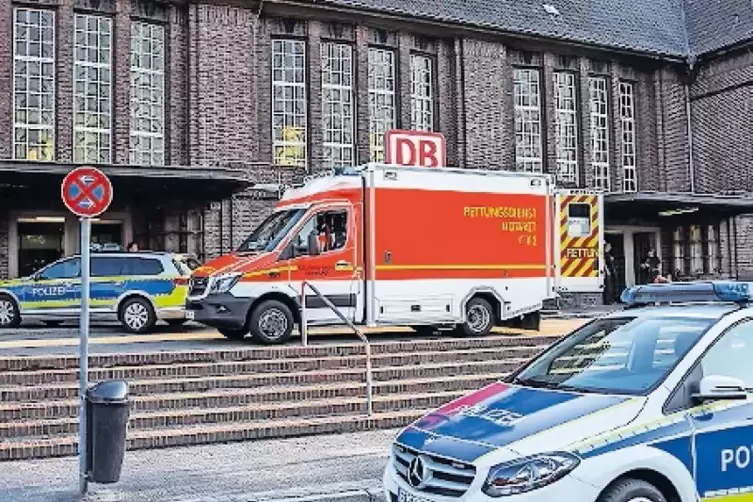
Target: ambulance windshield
x=271, y=231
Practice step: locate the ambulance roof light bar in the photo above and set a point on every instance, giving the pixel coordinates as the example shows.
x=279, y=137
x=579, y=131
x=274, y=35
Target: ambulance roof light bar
x=688, y=292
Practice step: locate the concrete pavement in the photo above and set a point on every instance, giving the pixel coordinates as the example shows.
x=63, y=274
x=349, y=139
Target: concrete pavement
x=341, y=468
x=106, y=338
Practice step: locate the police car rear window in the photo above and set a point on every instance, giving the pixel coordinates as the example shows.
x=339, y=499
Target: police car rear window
x=143, y=266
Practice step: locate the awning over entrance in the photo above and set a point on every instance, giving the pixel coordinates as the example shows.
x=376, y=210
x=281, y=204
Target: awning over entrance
x=22, y=181
x=658, y=207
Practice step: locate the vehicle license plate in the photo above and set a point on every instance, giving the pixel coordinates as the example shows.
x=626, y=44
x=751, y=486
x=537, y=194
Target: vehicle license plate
x=403, y=496
x=190, y=315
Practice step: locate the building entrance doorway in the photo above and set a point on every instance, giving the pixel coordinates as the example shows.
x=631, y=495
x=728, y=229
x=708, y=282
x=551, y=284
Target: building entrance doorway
x=40, y=242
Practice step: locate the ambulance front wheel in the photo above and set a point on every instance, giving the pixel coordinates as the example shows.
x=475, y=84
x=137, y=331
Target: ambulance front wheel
x=10, y=315
x=479, y=318
x=271, y=322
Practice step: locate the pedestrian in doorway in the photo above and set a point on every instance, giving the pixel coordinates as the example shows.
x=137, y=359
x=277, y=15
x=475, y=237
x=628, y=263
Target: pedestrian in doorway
x=132, y=247
x=610, y=275
x=651, y=267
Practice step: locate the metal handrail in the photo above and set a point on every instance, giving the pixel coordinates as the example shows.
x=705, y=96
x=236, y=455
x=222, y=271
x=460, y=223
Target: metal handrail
x=358, y=332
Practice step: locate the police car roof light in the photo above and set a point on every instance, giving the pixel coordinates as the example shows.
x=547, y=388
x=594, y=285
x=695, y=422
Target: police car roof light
x=711, y=291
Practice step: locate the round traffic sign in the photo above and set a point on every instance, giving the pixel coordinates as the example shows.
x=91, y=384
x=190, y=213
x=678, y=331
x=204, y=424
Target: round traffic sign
x=86, y=191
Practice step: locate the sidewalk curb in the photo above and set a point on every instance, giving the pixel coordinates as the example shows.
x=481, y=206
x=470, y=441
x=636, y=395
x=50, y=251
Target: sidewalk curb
x=369, y=491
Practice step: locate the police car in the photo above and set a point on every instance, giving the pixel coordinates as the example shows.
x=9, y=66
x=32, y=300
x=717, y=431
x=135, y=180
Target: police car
x=649, y=404
x=136, y=288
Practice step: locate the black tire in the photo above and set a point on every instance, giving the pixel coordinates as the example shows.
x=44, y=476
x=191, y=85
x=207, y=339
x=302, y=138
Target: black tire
x=10, y=315
x=233, y=334
x=425, y=330
x=136, y=315
x=479, y=318
x=52, y=324
x=174, y=323
x=271, y=322
x=625, y=490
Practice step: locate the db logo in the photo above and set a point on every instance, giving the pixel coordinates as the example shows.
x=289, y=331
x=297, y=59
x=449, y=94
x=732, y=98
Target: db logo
x=414, y=148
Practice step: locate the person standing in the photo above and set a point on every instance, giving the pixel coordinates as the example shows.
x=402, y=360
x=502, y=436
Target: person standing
x=610, y=275
x=651, y=267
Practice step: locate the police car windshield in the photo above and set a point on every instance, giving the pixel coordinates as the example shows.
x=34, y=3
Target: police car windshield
x=626, y=355
x=271, y=231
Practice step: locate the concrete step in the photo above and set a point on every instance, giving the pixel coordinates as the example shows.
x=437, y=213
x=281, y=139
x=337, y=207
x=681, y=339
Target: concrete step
x=267, y=412
x=276, y=366
x=67, y=445
x=24, y=411
x=46, y=392
x=31, y=363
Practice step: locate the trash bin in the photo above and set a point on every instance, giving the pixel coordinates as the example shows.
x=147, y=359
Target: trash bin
x=107, y=412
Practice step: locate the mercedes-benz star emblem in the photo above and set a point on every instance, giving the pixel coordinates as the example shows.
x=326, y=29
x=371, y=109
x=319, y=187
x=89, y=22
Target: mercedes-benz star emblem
x=418, y=473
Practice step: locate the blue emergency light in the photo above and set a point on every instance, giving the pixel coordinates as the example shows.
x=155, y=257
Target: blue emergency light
x=688, y=292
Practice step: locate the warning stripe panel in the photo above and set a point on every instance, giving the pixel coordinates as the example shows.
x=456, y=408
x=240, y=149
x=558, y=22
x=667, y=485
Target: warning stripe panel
x=579, y=266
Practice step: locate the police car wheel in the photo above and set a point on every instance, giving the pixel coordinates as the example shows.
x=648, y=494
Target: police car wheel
x=479, y=318
x=10, y=316
x=271, y=322
x=632, y=490
x=137, y=315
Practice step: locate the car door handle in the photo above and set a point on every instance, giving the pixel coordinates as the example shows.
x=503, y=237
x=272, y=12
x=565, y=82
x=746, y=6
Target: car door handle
x=274, y=273
x=342, y=263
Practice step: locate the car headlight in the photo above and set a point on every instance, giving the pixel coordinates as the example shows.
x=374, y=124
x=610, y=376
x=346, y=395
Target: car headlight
x=529, y=473
x=224, y=283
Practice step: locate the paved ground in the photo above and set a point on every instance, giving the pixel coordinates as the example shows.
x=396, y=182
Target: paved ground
x=237, y=472
x=107, y=338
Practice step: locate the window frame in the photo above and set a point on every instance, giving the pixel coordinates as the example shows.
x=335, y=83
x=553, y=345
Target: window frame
x=284, y=84
x=27, y=126
x=559, y=114
x=376, y=137
x=100, y=66
x=114, y=258
x=339, y=89
x=39, y=275
x=601, y=168
x=670, y=406
x=314, y=214
x=528, y=164
x=627, y=128
x=133, y=131
x=133, y=259
x=415, y=98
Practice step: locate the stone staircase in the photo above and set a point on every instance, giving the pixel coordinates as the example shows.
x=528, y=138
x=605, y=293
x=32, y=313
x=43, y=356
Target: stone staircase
x=213, y=396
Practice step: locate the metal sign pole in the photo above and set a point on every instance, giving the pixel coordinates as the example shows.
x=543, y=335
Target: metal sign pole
x=84, y=352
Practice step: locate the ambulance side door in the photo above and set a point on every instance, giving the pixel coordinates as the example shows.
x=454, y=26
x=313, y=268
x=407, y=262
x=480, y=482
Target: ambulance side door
x=333, y=270
x=723, y=439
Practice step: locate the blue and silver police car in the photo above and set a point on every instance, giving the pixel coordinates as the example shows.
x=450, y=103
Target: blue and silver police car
x=136, y=288
x=649, y=404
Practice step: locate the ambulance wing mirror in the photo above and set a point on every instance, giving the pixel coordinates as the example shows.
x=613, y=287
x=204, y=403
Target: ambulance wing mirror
x=313, y=244
x=719, y=387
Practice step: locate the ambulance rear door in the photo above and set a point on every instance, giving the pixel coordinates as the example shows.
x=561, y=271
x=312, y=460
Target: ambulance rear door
x=579, y=241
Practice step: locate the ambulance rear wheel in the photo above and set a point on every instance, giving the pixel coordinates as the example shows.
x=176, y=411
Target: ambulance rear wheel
x=479, y=318
x=10, y=316
x=137, y=315
x=271, y=322
x=632, y=490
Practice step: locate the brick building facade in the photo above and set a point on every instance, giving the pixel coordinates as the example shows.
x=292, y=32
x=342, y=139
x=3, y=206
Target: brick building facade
x=185, y=103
